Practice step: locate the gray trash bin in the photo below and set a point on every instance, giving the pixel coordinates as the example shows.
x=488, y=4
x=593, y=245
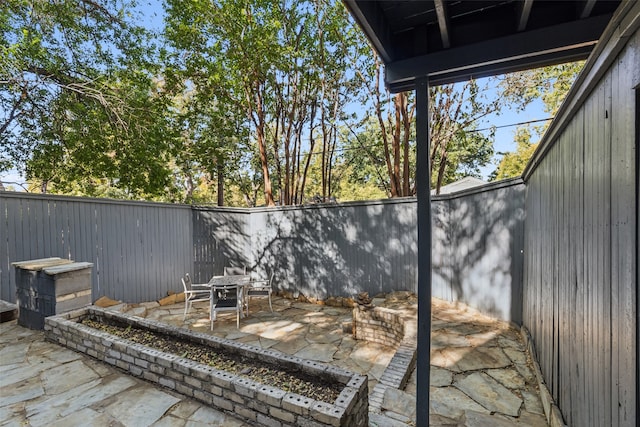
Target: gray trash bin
x=49, y=286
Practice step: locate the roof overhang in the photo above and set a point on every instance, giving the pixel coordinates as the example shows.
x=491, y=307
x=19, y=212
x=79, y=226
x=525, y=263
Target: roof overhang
x=450, y=41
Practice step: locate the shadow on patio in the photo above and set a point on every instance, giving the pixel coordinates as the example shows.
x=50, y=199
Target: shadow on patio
x=480, y=374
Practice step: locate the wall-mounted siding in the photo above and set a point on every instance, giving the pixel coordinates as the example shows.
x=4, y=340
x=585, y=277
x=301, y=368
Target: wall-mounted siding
x=580, y=288
x=346, y=249
x=137, y=248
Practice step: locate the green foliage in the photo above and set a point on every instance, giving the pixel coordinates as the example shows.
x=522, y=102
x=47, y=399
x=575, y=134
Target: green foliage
x=276, y=71
x=79, y=105
x=512, y=164
x=228, y=104
x=551, y=84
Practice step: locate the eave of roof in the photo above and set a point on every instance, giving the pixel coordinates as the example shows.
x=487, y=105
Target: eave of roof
x=419, y=40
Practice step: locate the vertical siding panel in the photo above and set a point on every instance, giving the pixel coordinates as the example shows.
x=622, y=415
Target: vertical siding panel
x=22, y=236
x=9, y=216
x=578, y=416
x=40, y=216
x=195, y=247
x=113, y=231
x=92, y=237
x=124, y=244
x=4, y=256
x=134, y=247
x=623, y=274
x=48, y=239
x=57, y=217
x=99, y=287
x=552, y=277
x=43, y=225
x=592, y=255
x=141, y=245
x=87, y=235
x=153, y=247
x=25, y=229
x=605, y=302
x=562, y=282
x=127, y=243
x=616, y=337
x=547, y=314
x=593, y=285
x=184, y=236
x=65, y=229
x=591, y=279
x=148, y=236
x=75, y=234
x=160, y=251
x=576, y=245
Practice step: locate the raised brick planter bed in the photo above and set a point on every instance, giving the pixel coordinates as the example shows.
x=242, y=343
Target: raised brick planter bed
x=257, y=403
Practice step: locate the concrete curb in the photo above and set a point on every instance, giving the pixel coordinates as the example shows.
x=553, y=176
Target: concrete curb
x=551, y=410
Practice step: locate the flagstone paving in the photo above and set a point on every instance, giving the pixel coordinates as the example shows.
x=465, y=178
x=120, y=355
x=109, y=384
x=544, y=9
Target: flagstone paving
x=480, y=375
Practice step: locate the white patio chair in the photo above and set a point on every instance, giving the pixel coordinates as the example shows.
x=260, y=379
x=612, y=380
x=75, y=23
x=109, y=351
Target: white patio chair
x=259, y=288
x=194, y=293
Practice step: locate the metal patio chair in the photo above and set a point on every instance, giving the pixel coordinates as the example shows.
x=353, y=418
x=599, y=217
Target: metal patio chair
x=259, y=288
x=227, y=298
x=194, y=293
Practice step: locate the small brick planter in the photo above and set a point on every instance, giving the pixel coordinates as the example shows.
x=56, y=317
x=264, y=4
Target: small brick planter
x=394, y=329
x=257, y=403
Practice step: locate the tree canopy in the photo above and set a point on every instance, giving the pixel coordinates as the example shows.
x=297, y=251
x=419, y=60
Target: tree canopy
x=79, y=103
x=232, y=102
x=551, y=85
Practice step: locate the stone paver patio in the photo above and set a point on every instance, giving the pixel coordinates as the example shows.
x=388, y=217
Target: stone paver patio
x=480, y=374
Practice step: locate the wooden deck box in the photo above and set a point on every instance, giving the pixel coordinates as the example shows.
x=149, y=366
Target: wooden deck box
x=49, y=286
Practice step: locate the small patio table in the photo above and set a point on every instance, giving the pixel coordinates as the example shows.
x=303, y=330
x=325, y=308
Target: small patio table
x=220, y=287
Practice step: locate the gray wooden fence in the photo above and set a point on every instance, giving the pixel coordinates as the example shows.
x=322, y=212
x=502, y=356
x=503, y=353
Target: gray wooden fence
x=140, y=250
x=338, y=249
x=581, y=288
x=478, y=244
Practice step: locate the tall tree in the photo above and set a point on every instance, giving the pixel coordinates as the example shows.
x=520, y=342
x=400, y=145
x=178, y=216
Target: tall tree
x=282, y=64
x=456, y=148
x=78, y=103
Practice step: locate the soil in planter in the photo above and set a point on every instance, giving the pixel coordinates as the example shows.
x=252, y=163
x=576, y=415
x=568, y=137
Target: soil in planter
x=262, y=372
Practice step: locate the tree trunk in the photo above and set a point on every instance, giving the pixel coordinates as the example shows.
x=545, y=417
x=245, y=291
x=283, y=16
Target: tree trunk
x=268, y=191
x=220, y=173
x=398, y=104
x=383, y=131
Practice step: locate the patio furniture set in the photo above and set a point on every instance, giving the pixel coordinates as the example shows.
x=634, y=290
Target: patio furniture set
x=230, y=292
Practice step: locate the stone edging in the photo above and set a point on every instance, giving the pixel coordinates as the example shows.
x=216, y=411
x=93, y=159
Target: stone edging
x=389, y=327
x=551, y=410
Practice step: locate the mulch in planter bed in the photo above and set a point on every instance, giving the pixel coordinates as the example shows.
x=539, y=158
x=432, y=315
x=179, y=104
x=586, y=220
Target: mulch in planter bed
x=265, y=373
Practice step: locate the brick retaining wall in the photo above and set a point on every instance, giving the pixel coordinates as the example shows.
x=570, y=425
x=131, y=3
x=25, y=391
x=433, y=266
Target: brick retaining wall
x=392, y=328
x=257, y=403
x=378, y=324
